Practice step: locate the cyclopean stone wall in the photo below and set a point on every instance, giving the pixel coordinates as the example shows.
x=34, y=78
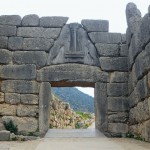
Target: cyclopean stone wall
x=138, y=42
x=37, y=53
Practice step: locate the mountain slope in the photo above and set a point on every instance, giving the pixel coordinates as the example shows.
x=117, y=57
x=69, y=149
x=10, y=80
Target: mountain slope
x=77, y=100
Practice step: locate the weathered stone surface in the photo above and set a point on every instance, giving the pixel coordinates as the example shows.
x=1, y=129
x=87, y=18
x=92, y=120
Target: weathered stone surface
x=12, y=98
x=20, y=86
x=30, y=20
x=51, y=22
x=5, y=56
x=95, y=25
x=123, y=38
x=103, y=37
x=119, y=77
x=25, y=124
x=15, y=43
x=37, y=44
x=140, y=113
x=13, y=20
x=1, y=97
x=38, y=32
x=72, y=73
x=117, y=89
x=134, y=49
x=3, y=41
x=44, y=101
x=133, y=98
x=142, y=88
x=6, y=30
x=124, y=50
x=2, y=127
x=128, y=37
x=107, y=49
x=4, y=135
x=117, y=104
x=114, y=63
x=7, y=109
x=30, y=57
x=148, y=79
x=73, y=46
x=117, y=127
x=132, y=11
x=144, y=30
x=18, y=72
x=29, y=99
x=101, y=106
x=141, y=129
x=27, y=111
x=121, y=117
x=142, y=63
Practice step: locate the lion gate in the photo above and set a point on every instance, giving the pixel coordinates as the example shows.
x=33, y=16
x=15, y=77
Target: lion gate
x=37, y=53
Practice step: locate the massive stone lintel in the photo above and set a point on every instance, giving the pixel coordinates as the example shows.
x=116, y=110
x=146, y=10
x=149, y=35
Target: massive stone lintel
x=73, y=46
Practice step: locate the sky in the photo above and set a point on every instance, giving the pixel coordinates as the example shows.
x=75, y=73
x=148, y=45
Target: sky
x=111, y=10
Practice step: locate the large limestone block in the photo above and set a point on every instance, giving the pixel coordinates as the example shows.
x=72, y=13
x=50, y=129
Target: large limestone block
x=142, y=88
x=95, y=25
x=4, y=135
x=15, y=43
x=5, y=56
x=117, y=89
x=12, y=98
x=20, y=86
x=41, y=44
x=1, y=97
x=6, y=110
x=141, y=129
x=38, y=32
x=24, y=124
x=118, y=128
x=104, y=37
x=124, y=50
x=44, y=106
x=107, y=49
x=30, y=20
x=72, y=73
x=30, y=57
x=29, y=99
x=144, y=30
x=134, y=49
x=142, y=63
x=18, y=72
x=101, y=114
x=3, y=42
x=6, y=30
x=121, y=117
x=13, y=20
x=140, y=113
x=2, y=127
x=114, y=63
x=133, y=16
x=53, y=22
x=119, y=77
x=27, y=111
x=118, y=104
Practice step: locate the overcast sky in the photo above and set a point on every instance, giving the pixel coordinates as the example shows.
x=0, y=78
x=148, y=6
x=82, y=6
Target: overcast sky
x=112, y=10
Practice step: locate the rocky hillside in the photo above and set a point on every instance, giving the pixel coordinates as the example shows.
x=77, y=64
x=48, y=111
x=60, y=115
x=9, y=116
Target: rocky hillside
x=78, y=101
x=62, y=116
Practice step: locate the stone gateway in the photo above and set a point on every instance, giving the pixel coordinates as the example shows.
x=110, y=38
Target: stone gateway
x=39, y=53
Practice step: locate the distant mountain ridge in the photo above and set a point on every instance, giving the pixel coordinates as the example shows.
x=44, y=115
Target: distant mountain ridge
x=78, y=100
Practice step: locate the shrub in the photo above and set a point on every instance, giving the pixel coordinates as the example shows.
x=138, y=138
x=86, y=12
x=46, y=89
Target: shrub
x=10, y=126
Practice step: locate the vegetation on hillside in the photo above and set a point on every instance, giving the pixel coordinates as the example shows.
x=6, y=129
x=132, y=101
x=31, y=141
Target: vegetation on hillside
x=78, y=101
